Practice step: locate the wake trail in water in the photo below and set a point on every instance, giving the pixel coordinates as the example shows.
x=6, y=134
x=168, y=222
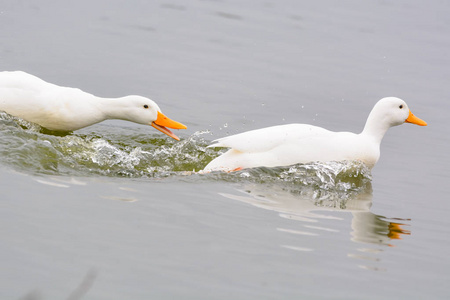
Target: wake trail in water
x=137, y=154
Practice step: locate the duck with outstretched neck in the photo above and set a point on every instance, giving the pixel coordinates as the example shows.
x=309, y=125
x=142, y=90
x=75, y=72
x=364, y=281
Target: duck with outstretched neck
x=67, y=109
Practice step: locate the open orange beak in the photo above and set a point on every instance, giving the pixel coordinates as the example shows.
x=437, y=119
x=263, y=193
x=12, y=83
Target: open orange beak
x=415, y=120
x=162, y=122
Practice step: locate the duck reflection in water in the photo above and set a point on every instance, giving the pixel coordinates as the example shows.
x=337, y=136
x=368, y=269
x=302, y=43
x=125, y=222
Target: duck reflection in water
x=310, y=205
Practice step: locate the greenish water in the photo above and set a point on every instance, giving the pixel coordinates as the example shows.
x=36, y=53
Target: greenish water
x=121, y=153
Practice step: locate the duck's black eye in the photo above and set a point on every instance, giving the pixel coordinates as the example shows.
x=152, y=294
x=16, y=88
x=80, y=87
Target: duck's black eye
x=145, y=106
x=401, y=106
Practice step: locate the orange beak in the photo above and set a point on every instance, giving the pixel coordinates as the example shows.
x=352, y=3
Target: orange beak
x=162, y=122
x=415, y=120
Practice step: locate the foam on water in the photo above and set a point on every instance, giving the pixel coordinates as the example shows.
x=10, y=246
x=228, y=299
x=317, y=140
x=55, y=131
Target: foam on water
x=28, y=147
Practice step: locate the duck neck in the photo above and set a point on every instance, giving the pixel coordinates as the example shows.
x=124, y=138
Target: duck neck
x=375, y=127
x=112, y=108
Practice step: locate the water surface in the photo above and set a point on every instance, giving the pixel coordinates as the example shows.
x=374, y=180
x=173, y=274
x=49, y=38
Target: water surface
x=119, y=211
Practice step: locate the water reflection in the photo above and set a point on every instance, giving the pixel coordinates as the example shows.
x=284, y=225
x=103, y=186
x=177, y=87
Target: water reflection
x=376, y=232
x=370, y=228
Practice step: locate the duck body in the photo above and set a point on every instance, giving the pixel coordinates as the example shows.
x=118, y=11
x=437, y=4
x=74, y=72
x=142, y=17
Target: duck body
x=291, y=144
x=30, y=98
x=67, y=109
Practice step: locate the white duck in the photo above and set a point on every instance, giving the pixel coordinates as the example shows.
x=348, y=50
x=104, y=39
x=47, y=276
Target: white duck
x=286, y=145
x=67, y=109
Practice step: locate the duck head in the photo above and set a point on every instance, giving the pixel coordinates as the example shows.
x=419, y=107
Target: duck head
x=388, y=112
x=394, y=111
x=145, y=111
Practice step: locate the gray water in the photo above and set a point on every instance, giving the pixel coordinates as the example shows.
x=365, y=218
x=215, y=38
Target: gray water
x=118, y=210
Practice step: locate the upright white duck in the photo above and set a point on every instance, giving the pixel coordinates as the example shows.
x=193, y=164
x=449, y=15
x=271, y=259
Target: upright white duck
x=67, y=109
x=286, y=145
